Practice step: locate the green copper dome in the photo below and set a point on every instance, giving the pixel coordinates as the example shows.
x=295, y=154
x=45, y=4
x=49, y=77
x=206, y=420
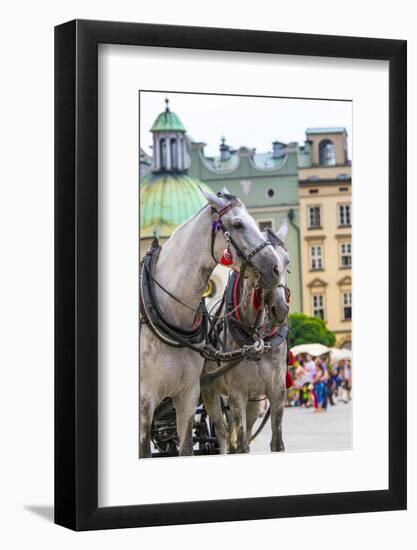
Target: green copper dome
x=166, y=201
x=168, y=122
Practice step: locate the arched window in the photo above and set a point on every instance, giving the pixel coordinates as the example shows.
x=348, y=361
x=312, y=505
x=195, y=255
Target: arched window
x=327, y=153
x=182, y=150
x=174, y=154
x=163, y=153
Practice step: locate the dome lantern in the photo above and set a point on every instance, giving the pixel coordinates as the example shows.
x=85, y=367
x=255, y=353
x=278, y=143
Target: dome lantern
x=169, y=143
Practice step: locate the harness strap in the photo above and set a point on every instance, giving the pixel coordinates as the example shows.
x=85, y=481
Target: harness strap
x=196, y=311
x=262, y=425
x=196, y=339
x=246, y=258
x=209, y=377
x=243, y=334
x=170, y=334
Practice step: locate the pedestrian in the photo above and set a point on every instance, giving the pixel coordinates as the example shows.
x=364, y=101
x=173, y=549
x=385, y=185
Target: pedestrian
x=319, y=388
x=299, y=383
x=310, y=373
x=347, y=382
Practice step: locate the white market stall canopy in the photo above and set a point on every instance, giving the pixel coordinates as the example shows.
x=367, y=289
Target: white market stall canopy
x=339, y=354
x=315, y=350
x=311, y=349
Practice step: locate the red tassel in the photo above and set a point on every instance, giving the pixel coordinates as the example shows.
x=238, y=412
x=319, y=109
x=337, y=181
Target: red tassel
x=256, y=299
x=290, y=358
x=227, y=258
x=288, y=380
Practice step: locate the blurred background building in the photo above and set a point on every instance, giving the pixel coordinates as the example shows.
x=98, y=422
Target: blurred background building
x=326, y=236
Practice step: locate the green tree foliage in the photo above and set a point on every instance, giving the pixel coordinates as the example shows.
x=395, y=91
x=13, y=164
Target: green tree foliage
x=309, y=330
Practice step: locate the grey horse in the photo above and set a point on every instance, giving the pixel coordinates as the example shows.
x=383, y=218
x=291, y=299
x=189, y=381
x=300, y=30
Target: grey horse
x=250, y=379
x=183, y=268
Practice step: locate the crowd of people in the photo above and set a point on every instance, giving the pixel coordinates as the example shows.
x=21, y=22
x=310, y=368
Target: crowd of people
x=319, y=383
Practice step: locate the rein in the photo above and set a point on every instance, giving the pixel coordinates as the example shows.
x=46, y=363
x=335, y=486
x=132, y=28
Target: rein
x=195, y=339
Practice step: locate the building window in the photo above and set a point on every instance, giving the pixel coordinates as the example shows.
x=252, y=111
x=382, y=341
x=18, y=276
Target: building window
x=265, y=224
x=318, y=306
x=174, y=154
x=316, y=257
x=344, y=215
x=327, y=155
x=347, y=305
x=163, y=153
x=346, y=255
x=314, y=220
x=270, y=193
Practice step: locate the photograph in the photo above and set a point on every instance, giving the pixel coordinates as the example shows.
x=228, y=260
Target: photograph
x=245, y=246
x=189, y=358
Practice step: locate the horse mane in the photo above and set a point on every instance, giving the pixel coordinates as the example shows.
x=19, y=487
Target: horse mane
x=233, y=199
x=274, y=239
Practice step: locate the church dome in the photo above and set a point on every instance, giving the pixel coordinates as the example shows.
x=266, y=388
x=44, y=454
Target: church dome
x=166, y=201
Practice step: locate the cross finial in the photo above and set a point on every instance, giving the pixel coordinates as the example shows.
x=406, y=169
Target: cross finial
x=167, y=105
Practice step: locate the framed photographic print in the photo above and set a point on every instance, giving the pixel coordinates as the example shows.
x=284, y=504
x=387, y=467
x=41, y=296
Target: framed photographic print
x=230, y=275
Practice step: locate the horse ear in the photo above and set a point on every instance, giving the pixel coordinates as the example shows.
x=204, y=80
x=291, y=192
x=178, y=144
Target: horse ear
x=225, y=191
x=215, y=201
x=282, y=231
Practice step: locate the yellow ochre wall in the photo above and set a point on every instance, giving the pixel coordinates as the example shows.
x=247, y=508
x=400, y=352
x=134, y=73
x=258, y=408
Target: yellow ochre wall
x=326, y=187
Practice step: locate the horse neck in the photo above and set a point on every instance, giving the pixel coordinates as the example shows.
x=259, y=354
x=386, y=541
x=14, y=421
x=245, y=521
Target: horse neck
x=248, y=314
x=184, y=267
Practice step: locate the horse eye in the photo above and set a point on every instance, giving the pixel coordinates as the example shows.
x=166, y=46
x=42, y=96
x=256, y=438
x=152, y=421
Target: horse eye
x=238, y=225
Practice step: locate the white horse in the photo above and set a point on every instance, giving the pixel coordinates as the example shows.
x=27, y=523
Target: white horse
x=251, y=379
x=183, y=269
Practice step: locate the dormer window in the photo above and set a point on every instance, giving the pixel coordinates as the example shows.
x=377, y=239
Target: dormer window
x=224, y=150
x=327, y=154
x=278, y=149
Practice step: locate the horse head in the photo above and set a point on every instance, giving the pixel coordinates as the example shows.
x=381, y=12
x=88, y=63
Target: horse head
x=239, y=243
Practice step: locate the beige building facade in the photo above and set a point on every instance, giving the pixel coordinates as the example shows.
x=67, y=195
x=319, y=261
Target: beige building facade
x=325, y=188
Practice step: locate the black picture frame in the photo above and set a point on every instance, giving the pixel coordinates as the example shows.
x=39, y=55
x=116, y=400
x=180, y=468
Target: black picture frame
x=76, y=271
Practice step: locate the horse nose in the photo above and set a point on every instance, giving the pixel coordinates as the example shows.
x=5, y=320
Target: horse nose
x=276, y=270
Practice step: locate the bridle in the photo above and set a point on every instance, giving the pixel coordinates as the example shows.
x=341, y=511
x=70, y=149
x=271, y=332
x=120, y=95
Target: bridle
x=218, y=225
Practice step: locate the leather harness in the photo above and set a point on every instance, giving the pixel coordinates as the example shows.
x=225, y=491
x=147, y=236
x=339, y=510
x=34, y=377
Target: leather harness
x=240, y=333
x=152, y=316
x=202, y=338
